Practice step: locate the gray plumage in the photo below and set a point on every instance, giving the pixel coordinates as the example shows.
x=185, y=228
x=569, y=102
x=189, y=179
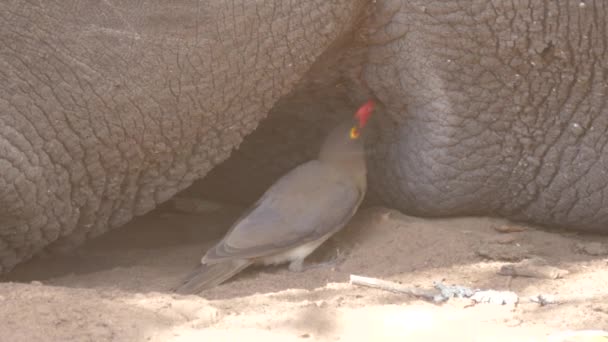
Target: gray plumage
x=294, y=216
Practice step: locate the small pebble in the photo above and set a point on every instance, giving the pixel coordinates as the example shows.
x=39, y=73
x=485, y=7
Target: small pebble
x=543, y=299
x=495, y=297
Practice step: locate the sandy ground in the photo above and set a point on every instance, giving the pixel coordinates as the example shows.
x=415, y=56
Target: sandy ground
x=115, y=288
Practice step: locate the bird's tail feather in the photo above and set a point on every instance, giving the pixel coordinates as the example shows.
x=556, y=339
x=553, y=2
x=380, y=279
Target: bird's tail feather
x=207, y=276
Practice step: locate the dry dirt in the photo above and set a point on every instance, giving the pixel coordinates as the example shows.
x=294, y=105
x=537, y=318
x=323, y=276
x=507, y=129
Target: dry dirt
x=115, y=288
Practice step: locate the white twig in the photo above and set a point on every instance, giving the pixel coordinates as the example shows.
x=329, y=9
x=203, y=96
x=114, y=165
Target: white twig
x=392, y=287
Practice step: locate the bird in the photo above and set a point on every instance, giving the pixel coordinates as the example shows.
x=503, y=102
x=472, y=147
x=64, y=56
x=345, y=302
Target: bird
x=297, y=214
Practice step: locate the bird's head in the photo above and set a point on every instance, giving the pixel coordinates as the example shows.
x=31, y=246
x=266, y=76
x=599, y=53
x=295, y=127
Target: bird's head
x=344, y=144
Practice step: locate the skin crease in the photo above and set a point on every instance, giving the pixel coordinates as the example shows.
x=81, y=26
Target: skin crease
x=488, y=108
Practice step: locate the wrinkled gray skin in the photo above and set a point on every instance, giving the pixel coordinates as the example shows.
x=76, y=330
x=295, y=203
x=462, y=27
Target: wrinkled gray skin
x=109, y=108
x=501, y=109
x=488, y=110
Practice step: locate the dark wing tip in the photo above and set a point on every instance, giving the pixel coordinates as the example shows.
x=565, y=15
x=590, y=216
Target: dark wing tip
x=207, y=276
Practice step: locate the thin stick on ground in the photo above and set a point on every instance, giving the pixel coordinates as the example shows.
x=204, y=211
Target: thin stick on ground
x=393, y=287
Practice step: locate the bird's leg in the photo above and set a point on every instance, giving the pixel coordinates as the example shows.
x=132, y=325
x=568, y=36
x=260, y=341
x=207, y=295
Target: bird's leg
x=298, y=264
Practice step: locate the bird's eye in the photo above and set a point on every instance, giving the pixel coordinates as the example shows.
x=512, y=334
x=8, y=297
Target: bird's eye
x=354, y=132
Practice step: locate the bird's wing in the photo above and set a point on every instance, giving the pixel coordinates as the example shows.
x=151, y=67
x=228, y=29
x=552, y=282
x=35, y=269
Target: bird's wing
x=307, y=203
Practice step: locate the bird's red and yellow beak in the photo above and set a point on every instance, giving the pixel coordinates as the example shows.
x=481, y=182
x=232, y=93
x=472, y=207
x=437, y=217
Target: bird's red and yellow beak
x=362, y=115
